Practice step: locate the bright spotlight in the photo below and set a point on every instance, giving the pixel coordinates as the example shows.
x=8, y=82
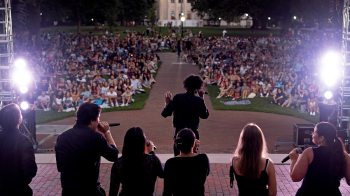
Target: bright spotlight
x=328, y=95
x=24, y=105
x=21, y=76
x=23, y=89
x=20, y=64
x=330, y=70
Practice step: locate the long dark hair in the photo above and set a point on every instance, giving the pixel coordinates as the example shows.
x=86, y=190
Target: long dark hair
x=133, y=153
x=250, y=149
x=337, y=158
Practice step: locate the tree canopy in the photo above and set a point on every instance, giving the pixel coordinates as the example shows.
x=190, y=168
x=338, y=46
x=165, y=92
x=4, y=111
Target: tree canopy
x=281, y=11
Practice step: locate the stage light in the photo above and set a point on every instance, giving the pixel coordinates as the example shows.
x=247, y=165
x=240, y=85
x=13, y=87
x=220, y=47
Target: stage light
x=330, y=68
x=328, y=95
x=24, y=105
x=20, y=64
x=23, y=89
x=21, y=76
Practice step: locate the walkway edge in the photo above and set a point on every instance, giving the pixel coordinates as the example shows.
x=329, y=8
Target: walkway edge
x=213, y=158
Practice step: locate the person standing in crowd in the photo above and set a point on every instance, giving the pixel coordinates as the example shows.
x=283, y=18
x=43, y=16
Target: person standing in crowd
x=79, y=151
x=187, y=107
x=321, y=168
x=137, y=170
x=186, y=173
x=254, y=172
x=178, y=48
x=17, y=160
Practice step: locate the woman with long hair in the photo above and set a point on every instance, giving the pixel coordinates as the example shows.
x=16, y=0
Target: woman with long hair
x=322, y=167
x=254, y=172
x=136, y=171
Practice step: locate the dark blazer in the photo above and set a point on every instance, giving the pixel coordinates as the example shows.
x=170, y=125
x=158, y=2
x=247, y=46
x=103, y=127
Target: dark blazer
x=78, y=155
x=17, y=164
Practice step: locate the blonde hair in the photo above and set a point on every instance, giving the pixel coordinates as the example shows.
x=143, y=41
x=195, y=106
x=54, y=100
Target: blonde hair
x=250, y=149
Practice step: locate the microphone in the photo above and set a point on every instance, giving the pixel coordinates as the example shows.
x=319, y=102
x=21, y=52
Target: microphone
x=299, y=150
x=113, y=124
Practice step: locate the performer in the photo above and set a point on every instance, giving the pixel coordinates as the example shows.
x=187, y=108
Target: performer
x=79, y=151
x=17, y=160
x=186, y=107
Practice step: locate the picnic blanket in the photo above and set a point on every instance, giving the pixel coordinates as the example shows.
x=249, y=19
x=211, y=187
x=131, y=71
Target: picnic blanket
x=239, y=102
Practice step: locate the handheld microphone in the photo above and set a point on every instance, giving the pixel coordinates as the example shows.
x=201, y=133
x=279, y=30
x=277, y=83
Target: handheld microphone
x=299, y=151
x=113, y=124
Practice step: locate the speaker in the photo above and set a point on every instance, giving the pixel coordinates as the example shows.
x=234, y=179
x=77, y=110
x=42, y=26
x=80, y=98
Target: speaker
x=328, y=112
x=303, y=135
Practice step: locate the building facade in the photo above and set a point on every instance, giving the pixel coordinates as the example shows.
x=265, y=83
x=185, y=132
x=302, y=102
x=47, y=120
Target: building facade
x=169, y=12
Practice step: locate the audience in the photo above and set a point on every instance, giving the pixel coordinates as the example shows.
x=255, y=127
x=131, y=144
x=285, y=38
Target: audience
x=254, y=172
x=321, y=168
x=136, y=171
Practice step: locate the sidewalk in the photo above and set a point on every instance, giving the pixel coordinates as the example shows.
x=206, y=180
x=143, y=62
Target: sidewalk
x=47, y=180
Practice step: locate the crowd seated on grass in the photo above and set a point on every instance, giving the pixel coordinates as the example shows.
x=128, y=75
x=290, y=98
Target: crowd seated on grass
x=281, y=69
x=104, y=69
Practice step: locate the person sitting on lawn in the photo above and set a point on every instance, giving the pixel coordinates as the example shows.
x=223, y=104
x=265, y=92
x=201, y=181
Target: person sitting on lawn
x=127, y=96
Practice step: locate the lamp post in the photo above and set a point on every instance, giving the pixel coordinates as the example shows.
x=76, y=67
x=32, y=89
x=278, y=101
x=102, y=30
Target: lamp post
x=182, y=18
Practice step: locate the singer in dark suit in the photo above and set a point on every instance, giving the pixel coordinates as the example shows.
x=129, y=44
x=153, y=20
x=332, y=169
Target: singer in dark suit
x=79, y=151
x=187, y=108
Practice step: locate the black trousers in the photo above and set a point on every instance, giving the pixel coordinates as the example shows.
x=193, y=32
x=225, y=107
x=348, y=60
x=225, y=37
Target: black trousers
x=176, y=151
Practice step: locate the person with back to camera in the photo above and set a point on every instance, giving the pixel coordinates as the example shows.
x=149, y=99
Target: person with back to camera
x=137, y=169
x=17, y=160
x=187, y=107
x=322, y=167
x=186, y=173
x=254, y=172
x=79, y=151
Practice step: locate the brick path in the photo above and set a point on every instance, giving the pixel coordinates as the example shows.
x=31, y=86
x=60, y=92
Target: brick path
x=47, y=181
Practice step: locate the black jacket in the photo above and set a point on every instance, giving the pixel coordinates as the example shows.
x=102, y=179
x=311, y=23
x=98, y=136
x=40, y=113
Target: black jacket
x=187, y=109
x=17, y=164
x=78, y=156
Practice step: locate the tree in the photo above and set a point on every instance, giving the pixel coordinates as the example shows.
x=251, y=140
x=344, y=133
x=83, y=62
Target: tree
x=134, y=10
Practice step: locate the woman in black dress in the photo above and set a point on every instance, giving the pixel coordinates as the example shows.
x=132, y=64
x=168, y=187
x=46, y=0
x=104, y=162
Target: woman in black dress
x=136, y=171
x=321, y=168
x=255, y=173
x=186, y=173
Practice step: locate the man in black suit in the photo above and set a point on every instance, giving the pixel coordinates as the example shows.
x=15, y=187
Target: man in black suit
x=187, y=107
x=79, y=151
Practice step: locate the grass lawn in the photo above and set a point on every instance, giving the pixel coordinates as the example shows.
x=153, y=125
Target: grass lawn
x=257, y=105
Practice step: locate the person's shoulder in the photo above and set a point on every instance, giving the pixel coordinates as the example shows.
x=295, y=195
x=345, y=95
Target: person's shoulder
x=202, y=157
x=171, y=160
x=152, y=157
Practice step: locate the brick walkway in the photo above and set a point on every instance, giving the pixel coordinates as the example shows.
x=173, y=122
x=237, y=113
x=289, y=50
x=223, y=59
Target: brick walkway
x=47, y=181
